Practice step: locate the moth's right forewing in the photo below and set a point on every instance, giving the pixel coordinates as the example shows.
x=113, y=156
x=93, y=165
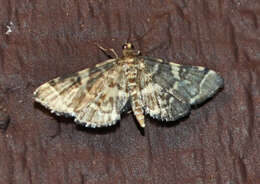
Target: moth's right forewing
x=194, y=83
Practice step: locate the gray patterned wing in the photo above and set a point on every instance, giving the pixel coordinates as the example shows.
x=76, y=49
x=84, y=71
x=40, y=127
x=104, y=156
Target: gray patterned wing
x=95, y=97
x=160, y=103
x=176, y=87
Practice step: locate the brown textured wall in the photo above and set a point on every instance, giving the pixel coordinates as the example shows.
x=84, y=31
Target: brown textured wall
x=219, y=143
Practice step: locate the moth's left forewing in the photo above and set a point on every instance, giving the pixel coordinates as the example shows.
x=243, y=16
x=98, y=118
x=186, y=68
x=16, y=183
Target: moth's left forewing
x=55, y=95
x=95, y=97
x=62, y=94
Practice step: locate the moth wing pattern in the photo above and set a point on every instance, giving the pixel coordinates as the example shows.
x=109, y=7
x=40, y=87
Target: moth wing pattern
x=161, y=104
x=95, y=97
x=176, y=87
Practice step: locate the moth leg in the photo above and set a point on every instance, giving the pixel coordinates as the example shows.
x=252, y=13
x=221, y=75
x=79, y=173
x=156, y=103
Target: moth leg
x=140, y=119
x=105, y=51
x=114, y=52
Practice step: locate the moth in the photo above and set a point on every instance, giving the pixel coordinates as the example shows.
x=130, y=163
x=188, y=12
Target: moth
x=97, y=96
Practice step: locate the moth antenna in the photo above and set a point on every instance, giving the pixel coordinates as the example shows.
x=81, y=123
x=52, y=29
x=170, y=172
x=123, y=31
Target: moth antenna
x=129, y=36
x=105, y=51
x=153, y=23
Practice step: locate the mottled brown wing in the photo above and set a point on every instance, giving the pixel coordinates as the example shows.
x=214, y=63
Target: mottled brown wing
x=95, y=97
x=175, y=87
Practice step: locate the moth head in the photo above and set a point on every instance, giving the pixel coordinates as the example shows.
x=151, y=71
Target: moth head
x=129, y=50
x=128, y=46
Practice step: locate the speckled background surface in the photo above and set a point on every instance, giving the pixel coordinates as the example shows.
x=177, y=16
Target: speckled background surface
x=218, y=144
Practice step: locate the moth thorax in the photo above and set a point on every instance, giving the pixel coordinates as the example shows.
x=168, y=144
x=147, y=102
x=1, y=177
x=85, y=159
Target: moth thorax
x=128, y=53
